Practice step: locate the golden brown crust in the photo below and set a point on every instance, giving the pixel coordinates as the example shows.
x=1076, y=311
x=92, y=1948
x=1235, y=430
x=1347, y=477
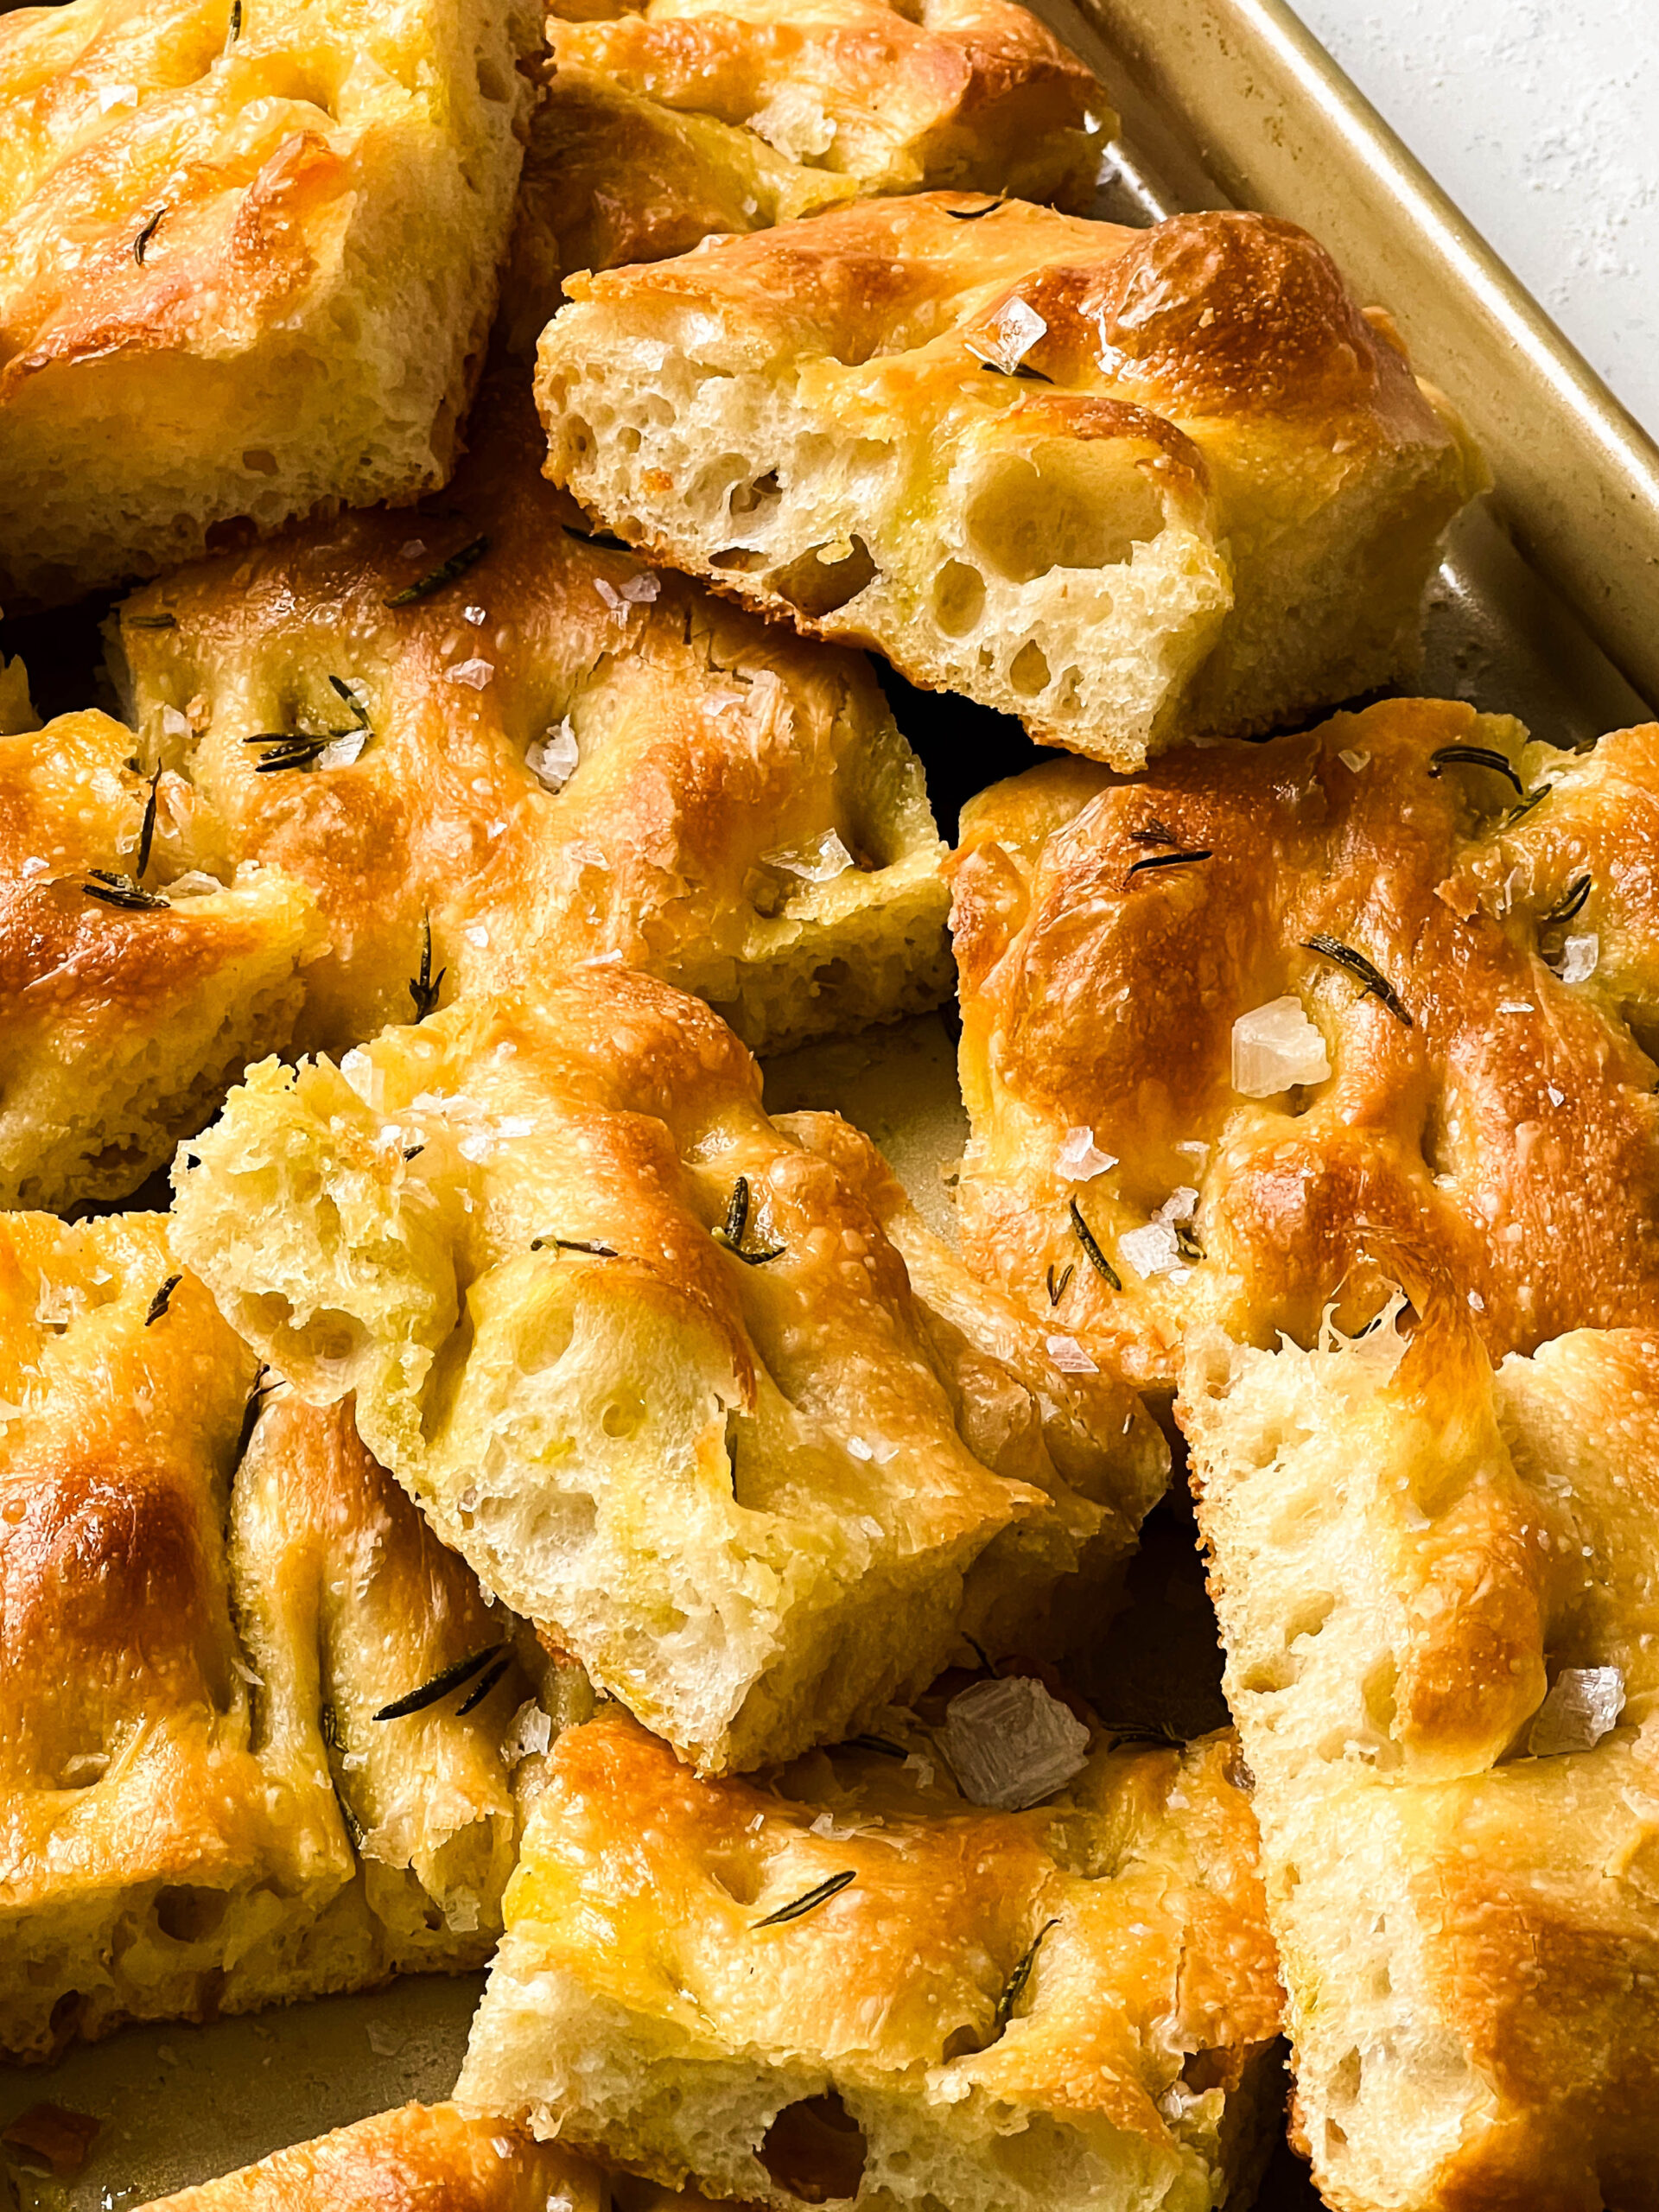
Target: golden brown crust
x=242, y=199
x=752, y=1485
x=123, y=1015
x=640, y=2008
x=1408, y=1553
x=196, y=1638
x=719, y=762
x=419, y=2159
x=1510, y=1132
x=1246, y=542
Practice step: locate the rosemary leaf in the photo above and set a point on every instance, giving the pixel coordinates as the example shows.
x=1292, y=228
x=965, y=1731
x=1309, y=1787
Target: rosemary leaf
x=235, y=30
x=343, y=690
x=486, y=1682
x=445, y=573
x=884, y=1745
x=149, y=621
x=255, y=1407
x=1096, y=1259
x=1519, y=813
x=1020, y=369
x=976, y=214
x=730, y=1234
x=147, y=830
x=822, y=1895
x=1167, y=860
x=573, y=1244
x=1570, y=908
x=439, y=1688
x=1152, y=832
x=1372, y=979
x=1475, y=756
x=121, y=891
x=140, y=244
x=298, y=751
x=606, y=540
x=1056, y=1290
x=158, y=1304
x=424, y=988
x=1014, y=1988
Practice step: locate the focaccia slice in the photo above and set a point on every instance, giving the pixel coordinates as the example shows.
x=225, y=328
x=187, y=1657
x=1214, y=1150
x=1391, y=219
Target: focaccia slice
x=1126, y=485
x=418, y=2158
x=286, y=221
x=666, y=124
x=135, y=984
x=649, y=1360
x=1435, y=1584
x=1237, y=1030
x=199, y=1811
x=859, y=1984
x=476, y=721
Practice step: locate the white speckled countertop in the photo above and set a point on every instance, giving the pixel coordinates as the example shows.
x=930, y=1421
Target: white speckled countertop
x=1540, y=119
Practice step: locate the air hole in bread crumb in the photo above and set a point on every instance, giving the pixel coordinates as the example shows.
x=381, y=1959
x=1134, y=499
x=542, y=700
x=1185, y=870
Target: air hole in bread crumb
x=1028, y=670
x=491, y=83
x=1063, y=507
x=739, y=1873
x=816, y=2149
x=1310, y=1616
x=623, y=1415
x=1206, y=2069
x=743, y=558
x=825, y=577
x=958, y=599
x=189, y=1915
x=259, y=461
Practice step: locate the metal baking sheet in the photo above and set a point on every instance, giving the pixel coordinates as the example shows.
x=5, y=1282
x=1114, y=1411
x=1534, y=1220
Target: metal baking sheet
x=1548, y=607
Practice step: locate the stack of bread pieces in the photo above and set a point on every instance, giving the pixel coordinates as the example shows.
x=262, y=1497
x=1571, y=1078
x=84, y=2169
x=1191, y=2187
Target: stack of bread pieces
x=515, y=1497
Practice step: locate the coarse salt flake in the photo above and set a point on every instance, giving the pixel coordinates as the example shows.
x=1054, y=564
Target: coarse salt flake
x=1012, y=333
x=477, y=673
x=194, y=883
x=174, y=723
x=1579, y=956
x=1276, y=1046
x=639, y=591
x=552, y=759
x=1069, y=1355
x=475, y=615
x=340, y=751
x=1515, y=1006
x=382, y=2042
x=1583, y=1704
x=1011, y=1743
x=528, y=1733
x=1350, y=758
x=821, y=861
x=1081, y=1158
x=1153, y=1250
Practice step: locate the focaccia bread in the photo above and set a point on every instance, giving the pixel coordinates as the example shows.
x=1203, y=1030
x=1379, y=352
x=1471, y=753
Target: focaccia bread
x=1241, y=1028
x=135, y=984
x=1126, y=485
x=199, y=1811
x=861, y=1984
x=419, y=2159
x=287, y=220
x=1436, y=1589
x=664, y=124
x=551, y=754
x=648, y=1360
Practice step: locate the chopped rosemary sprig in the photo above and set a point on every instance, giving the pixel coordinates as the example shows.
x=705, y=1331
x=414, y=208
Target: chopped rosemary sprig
x=822, y=1895
x=1152, y=832
x=343, y=690
x=414, y=1152
x=573, y=1244
x=1372, y=979
x=159, y=1303
x=424, y=988
x=1096, y=1259
x=297, y=750
x=1020, y=369
x=140, y=244
x=255, y=1407
x=235, y=31
x=607, y=540
x=1056, y=1290
x=1570, y=908
x=149, y=621
x=1517, y=813
x=884, y=1745
x=976, y=214
x=1475, y=756
x=147, y=828
x=1014, y=1988
x=450, y=1678
x=328, y=1727
x=1185, y=1243
x=445, y=573
x=486, y=1681
x=121, y=891
x=1168, y=860
x=731, y=1234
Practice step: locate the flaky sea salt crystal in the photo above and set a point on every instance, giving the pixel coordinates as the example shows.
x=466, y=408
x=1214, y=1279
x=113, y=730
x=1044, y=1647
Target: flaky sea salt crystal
x=340, y=751
x=1010, y=335
x=1011, y=1743
x=1580, y=957
x=194, y=883
x=476, y=615
x=1274, y=1046
x=1583, y=1704
x=1080, y=1158
x=174, y=723
x=640, y=590
x=462, y=1913
x=528, y=1733
x=1069, y=1355
x=552, y=759
x=477, y=673
x=382, y=2042
x=1352, y=760
x=1151, y=1251
x=821, y=861
x=795, y=123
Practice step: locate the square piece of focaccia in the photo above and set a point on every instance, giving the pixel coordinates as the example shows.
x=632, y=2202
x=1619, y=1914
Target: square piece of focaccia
x=1234, y=1032
x=1126, y=485
x=286, y=221
x=653, y=1362
x=201, y=1810
x=418, y=2158
x=666, y=124
x=549, y=754
x=861, y=1984
x=125, y=1012
x=1436, y=1588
